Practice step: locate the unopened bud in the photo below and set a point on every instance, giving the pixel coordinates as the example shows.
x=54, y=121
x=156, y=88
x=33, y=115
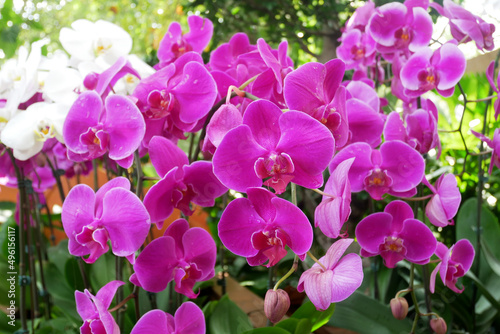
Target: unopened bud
x=276, y=304
x=90, y=81
x=438, y=325
x=399, y=308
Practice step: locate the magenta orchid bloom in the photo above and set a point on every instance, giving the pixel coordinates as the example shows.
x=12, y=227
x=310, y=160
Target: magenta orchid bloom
x=176, y=98
x=260, y=226
x=466, y=26
x=428, y=69
x=188, y=319
x=269, y=84
x=494, y=144
x=226, y=118
x=174, y=44
x=395, y=169
x=421, y=131
x=94, y=310
x=181, y=183
x=395, y=235
x=397, y=27
x=113, y=214
x=455, y=263
x=361, y=16
x=337, y=280
x=334, y=210
x=314, y=89
x=184, y=255
x=280, y=147
x=357, y=48
x=92, y=129
x=103, y=83
x=366, y=122
x=443, y=205
x=226, y=58
x=490, y=73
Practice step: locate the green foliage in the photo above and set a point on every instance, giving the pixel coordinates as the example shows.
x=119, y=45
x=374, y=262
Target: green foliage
x=363, y=314
x=227, y=318
x=317, y=318
x=304, y=24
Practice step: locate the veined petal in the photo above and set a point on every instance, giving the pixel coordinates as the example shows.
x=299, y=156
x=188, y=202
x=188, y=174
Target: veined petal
x=262, y=117
x=347, y=277
x=158, y=200
x=77, y=212
x=238, y=223
x=118, y=182
x=125, y=126
x=155, y=264
x=404, y=165
x=304, y=88
x=83, y=114
x=165, y=155
x=295, y=224
x=451, y=66
x=262, y=203
x=199, y=248
x=235, y=158
x=200, y=32
x=335, y=252
x=126, y=221
x=154, y=321
x=206, y=185
x=196, y=92
x=463, y=252
x=309, y=144
x=372, y=231
x=189, y=319
x=318, y=286
x=418, y=240
x=106, y=294
x=361, y=165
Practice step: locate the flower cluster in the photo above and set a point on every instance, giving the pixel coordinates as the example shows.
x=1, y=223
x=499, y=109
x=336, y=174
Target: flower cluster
x=263, y=127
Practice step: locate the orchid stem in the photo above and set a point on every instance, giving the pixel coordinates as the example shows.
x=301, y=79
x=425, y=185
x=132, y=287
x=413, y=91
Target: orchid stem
x=94, y=173
x=414, y=298
x=323, y=193
x=22, y=203
x=248, y=82
x=124, y=301
x=57, y=176
x=316, y=260
x=138, y=170
x=291, y=271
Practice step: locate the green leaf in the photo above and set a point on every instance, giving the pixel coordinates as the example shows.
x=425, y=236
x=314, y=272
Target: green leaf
x=490, y=258
x=363, y=314
x=268, y=330
x=317, y=318
x=103, y=271
x=296, y=326
x=10, y=206
x=466, y=228
x=228, y=318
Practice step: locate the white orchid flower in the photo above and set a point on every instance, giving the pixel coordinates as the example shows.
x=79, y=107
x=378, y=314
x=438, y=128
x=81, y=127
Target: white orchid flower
x=90, y=41
x=26, y=132
x=21, y=74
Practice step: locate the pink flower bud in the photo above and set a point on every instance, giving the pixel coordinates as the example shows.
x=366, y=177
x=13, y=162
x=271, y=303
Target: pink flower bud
x=399, y=308
x=90, y=81
x=276, y=304
x=438, y=325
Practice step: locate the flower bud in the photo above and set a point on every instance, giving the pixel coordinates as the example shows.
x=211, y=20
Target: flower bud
x=276, y=304
x=90, y=81
x=438, y=325
x=399, y=308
